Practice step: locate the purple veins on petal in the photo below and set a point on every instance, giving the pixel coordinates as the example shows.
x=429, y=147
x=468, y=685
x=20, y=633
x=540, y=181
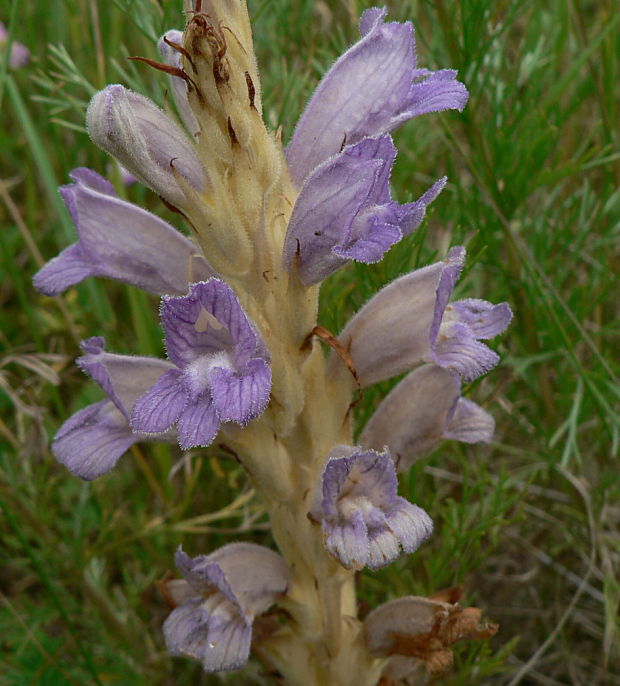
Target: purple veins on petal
x=214, y=622
x=457, y=327
x=373, y=88
x=91, y=441
x=424, y=409
x=221, y=370
x=121, y=241
x=345, y=212
x=364, y=522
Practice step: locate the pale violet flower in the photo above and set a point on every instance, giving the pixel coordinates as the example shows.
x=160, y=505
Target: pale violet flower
x=340, y=155
x=373, y=88
x=19, y=55
x=121, y=241
x=364, y=522
x=146, y=142
x=224, y=592
x=91, y=441
x=221, y=367
x=410, y=321
x=424, y=409
x=345, y=212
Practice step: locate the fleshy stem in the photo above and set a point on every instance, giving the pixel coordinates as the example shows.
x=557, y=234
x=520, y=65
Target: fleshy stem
x=240, y=223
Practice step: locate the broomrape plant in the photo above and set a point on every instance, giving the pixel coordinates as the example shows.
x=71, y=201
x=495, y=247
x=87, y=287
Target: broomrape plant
x=239, y=303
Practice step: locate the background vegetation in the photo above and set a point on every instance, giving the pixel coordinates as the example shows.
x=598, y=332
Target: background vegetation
x=528, y=526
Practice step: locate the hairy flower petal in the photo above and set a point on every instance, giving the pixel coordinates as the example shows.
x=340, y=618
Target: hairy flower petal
x=409, y=321
x=344, y=211
x=120, y=241
x=364, y=522
x=214, y=624
x=372, y=88
x=145, y=141
x=222, y=369
x=424, y=409
x=92, y=440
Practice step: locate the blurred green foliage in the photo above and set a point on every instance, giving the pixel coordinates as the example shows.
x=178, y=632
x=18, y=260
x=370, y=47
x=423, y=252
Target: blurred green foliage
x=528, y=526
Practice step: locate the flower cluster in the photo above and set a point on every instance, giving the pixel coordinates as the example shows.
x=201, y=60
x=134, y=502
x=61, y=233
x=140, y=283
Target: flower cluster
x=239, y=301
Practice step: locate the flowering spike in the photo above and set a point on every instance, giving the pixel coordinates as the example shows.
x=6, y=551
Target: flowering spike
x=119, y=241
x=364, y=522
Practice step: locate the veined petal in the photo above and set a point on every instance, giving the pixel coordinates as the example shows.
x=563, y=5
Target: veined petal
x=456, y=348
x=484, y=319
x=411, y=419
x=215, y=624
x=91, y=441
x=71, y=266
x=145, y=141
x=325, y=209
x=158, y=409
x=390, y=334
x=120, y=241
x=240, y=396
x=344, y=211
x=364, y=522
x=220, y=642
x=207, y=320
x=434, y=92
x=371, y=89
x=424, y=409
x=383, y=548
x=410, y=524
x=469, y=423
x=124, y=378
x=198, y=423
x=348, y=543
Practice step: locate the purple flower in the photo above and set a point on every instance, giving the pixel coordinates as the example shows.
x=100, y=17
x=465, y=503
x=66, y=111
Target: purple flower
x=457, y=327
x=221, y=369
x=344, y=211
x=225, y=591
x=410, y=321
x=119, y=241
x=341, y=156
x=19, y=55
x=364, y=522
x=372, y=89
x=146, y=142
x=90, y=442
x=424, y=409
